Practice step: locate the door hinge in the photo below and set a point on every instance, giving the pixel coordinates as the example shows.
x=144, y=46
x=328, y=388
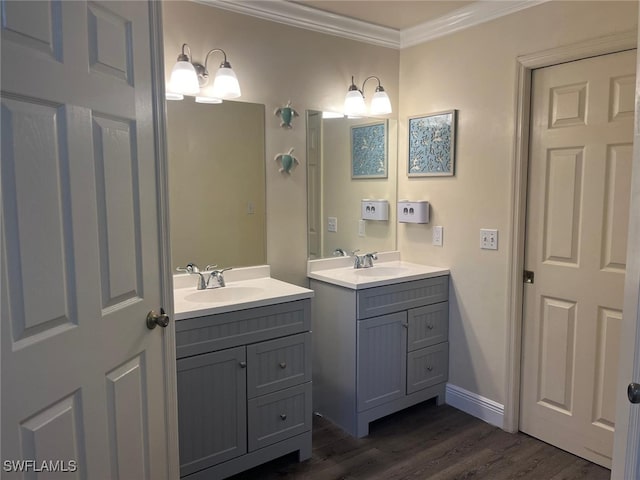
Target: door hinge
x=528, y=276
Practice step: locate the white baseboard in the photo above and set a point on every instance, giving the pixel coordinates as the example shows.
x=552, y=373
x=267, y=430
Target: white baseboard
x=476, y=405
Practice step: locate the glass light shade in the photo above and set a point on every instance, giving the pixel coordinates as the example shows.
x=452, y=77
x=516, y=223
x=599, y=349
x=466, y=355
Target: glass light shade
x=173, y=95
x=207, y=99
x=184, y=79
x=354, y=104
x=380, y=103
x=225, y=84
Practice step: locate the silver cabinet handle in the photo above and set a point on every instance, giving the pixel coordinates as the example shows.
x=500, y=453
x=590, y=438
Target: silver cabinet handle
x=405, y=324
x=283, y=416
x=429, y=368
x=243, y=364
x=283, y=365
x=429, y=327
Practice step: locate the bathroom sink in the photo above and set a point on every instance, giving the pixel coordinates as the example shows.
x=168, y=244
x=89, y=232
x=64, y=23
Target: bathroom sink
x=381, y=271
x=224, y=294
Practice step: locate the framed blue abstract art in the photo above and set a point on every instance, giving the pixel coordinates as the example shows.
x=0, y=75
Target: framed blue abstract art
x=432, y=145
x=369, y=150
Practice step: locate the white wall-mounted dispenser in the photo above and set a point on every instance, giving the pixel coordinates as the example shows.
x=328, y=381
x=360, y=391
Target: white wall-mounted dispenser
x=413, y=212
x=375, y=209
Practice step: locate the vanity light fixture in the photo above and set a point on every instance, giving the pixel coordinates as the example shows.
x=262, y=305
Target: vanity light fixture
x=354, y=105
x=192, y=78
x=184, y=79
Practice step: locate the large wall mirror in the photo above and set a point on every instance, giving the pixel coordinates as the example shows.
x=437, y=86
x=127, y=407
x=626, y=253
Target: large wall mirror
x=335, y=192
x=217, y=183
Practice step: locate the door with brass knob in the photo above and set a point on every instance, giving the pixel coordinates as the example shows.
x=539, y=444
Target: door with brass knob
x=157, y=319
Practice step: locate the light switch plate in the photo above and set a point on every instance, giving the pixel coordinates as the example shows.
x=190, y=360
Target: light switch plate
x=362, y=228
x=332, y=224
x=488, y=239
x=436, y=238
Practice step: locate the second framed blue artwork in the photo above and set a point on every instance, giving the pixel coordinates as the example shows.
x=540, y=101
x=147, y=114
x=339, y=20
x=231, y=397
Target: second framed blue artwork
x=432, y=145
x=369, y=150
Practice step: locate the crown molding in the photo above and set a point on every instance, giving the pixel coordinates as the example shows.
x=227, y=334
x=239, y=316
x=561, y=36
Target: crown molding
x=302, y=16
x=465, y=17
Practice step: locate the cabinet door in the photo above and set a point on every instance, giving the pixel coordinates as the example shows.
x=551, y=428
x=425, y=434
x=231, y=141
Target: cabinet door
x=212, y=408
x=382, y=360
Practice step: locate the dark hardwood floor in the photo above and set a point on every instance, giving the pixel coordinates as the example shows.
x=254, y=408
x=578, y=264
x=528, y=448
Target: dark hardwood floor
x=427, y=441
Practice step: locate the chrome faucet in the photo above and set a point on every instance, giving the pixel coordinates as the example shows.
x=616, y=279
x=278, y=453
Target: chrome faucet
x=216, y=277
x=363, y=261
x=369, y=258
x=214, y=280
x=193, y=269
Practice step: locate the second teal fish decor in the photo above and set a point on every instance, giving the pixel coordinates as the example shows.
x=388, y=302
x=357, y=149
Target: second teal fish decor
x=286, y=114
x=287, y=161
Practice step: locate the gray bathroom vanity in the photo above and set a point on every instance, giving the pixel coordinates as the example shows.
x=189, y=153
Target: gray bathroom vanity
x=244, y=375
x=380, y=341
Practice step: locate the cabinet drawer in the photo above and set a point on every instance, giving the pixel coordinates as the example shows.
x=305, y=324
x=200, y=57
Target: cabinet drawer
x=278, y=364
x=428, y=366
x=279, y=415
x=226, y=330
x=428, y=326
x=372, y=302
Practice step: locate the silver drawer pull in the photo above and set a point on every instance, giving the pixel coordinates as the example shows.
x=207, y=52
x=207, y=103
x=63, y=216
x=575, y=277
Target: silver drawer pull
x=283, y=416
x=243, y=364
x=405, y=324
x=429, y=327
x=429, y=368
x=283, y=365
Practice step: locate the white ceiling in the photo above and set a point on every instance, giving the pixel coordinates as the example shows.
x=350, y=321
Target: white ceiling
x=396, y=14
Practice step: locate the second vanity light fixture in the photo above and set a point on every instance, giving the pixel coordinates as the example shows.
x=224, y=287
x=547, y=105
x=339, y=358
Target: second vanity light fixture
x=191, y=78
x=354, y=100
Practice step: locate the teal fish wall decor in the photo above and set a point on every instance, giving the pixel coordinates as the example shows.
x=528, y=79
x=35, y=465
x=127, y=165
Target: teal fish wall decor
x=287, y=161
x=286, y=114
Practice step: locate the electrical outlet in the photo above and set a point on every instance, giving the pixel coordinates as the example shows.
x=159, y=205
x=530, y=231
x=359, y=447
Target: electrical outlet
x=436, y=238
x=362, y=229
x=332, y=224
x=488, y=239
x=251, y=208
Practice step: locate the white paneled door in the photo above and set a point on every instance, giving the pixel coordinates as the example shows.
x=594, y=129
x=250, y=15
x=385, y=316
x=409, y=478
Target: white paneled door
x=577, y=223
x=83, y=378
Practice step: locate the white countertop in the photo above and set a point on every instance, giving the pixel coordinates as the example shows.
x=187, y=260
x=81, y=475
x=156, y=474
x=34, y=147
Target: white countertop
x=246, y=287
x=387, y=270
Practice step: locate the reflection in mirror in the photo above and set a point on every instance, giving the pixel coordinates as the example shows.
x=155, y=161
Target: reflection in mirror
x=333, y=193
x=216, y=183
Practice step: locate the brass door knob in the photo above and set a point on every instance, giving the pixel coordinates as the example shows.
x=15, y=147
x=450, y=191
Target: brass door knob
x=157, y=319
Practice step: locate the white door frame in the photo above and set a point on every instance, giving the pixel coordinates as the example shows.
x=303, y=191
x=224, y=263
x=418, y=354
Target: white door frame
x=518, y=196
x=166, y=272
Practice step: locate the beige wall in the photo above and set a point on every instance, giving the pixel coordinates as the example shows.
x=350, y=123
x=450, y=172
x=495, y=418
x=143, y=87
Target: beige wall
x=276, y=63
x=474, y=71
x=342, y=195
